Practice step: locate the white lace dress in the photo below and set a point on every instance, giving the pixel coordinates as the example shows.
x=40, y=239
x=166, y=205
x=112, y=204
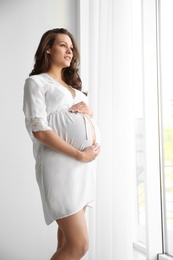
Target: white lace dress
x=66, y=185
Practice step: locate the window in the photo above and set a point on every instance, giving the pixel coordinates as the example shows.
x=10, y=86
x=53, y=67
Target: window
x=139, y=122
x=153, y=114
x=166, y=59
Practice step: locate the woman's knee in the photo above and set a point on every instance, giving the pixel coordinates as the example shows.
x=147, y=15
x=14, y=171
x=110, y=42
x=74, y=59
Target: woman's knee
x=79, y=248
x=84, y=246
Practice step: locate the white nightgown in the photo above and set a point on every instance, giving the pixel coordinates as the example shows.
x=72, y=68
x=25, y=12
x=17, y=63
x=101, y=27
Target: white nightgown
x=66, y=184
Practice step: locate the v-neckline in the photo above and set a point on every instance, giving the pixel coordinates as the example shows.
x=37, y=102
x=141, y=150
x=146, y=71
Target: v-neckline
x=54, y=80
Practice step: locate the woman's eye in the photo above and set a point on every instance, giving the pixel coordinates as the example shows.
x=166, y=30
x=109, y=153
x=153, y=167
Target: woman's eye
x=64, y=45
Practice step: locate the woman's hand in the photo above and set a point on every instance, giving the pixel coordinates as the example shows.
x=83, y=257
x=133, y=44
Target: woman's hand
x=56, y=143
x=82, y=108
x=90, y=153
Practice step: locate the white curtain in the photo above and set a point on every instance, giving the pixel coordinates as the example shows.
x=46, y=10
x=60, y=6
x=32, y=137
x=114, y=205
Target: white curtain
x=106, y=68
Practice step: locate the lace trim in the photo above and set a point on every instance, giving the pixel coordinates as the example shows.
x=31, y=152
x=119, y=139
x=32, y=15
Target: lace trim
x=37, y=124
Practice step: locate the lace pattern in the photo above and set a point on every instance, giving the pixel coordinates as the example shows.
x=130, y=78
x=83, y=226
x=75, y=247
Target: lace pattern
x=35, y=124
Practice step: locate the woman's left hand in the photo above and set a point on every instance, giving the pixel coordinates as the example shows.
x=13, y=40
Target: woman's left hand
x=82, y=108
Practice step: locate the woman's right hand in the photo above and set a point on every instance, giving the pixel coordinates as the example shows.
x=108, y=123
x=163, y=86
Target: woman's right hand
x=56, y=143
x=90, y=153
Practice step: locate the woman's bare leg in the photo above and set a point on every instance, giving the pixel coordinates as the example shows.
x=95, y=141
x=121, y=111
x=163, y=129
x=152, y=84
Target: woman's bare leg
x=60, y=239
x=75, y=237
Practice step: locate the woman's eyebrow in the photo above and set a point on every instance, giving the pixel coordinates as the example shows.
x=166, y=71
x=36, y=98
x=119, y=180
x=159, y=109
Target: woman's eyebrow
x=65, y=43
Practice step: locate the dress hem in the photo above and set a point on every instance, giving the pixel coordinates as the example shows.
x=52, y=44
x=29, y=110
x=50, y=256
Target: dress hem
x=88, y=204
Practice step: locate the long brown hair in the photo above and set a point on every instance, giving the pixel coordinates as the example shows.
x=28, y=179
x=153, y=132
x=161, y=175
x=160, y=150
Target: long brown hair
x=42, y=60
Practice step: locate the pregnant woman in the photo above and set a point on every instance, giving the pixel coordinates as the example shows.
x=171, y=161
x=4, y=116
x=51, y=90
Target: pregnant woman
x=65, y=140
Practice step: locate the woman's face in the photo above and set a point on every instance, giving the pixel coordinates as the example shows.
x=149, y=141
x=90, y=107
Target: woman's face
x=61, y=52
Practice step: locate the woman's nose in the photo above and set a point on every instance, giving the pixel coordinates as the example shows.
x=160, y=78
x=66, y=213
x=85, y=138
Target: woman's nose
x=69, y=50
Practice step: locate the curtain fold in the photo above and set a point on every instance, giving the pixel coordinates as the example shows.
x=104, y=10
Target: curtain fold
x=110, y=94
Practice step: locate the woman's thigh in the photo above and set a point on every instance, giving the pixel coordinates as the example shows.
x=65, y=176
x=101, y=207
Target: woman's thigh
x=74, y=228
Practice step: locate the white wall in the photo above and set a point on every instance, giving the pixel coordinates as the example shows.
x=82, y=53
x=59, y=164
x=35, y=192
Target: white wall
x=23, y=232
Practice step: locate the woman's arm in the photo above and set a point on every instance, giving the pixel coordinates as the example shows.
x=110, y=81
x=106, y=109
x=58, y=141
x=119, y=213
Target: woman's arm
x=55, y=142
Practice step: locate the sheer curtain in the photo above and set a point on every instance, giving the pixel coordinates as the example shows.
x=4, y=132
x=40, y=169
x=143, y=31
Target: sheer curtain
x=106, y=68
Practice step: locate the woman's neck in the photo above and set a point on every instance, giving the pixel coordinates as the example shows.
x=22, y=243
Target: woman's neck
x=57, y=76
x=55, y=73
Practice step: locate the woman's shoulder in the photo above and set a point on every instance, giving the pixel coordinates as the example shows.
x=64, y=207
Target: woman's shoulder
x=38, y=81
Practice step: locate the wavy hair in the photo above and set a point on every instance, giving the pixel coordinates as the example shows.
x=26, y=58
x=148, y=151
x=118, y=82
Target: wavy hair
x=42, y=59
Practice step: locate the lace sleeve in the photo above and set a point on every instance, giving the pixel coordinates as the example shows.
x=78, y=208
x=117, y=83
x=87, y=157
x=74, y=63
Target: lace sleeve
x=35, y=124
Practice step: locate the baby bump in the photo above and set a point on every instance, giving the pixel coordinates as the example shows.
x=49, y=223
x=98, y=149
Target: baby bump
x=77, y=129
